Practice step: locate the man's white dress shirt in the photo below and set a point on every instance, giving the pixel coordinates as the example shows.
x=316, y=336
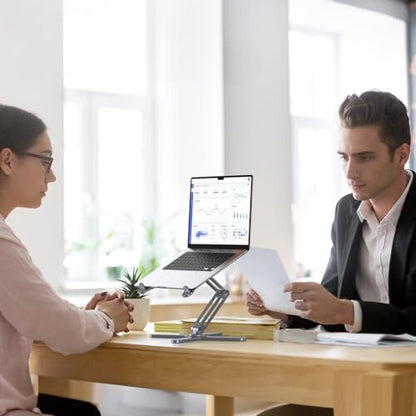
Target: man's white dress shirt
x=372, y=278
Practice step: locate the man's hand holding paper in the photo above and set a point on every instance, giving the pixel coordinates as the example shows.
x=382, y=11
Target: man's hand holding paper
x=273, y=294
x=255, y=307
x=264, y=271
x=314, y=302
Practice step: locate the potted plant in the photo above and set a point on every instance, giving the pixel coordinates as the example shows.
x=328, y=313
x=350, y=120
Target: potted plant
x=141, y=304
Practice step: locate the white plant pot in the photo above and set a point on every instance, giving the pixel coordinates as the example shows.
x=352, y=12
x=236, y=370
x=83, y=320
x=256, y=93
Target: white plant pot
x=140, y=313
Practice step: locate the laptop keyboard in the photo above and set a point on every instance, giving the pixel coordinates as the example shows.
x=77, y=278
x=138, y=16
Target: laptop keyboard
x=198, y=261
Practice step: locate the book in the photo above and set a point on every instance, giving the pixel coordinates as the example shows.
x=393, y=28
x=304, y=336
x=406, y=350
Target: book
x=172, y=326
x=251, y=328
x=345, y=338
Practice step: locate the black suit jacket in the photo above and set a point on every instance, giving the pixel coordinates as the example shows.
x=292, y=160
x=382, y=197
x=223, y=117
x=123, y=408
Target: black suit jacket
x=399, y=316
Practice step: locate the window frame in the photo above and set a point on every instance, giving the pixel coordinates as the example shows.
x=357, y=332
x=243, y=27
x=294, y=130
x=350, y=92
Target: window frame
x=90, y=103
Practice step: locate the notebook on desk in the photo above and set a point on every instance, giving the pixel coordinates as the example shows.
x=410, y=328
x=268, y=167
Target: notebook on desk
x=218, y=232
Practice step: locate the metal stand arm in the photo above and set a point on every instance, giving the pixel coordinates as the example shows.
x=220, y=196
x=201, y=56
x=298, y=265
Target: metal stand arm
x=204, y=318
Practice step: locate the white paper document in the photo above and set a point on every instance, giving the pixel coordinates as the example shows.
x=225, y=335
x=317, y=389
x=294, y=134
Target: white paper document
x=345, y=338
x=366, y=340
x=265, y=273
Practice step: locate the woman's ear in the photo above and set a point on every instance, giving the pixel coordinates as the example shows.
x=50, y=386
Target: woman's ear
x=6, y=161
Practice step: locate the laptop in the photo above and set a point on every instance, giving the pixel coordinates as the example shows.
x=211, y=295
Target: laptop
x=218, y=232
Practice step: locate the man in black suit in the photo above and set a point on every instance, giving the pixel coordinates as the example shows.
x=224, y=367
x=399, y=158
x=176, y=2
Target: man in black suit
x=370, y=281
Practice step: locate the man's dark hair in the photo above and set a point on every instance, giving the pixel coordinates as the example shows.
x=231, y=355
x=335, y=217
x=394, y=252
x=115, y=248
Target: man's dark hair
x=377, y=108
x=19, y=129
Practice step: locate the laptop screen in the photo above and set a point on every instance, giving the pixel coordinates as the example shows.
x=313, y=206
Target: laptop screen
x=220, y=212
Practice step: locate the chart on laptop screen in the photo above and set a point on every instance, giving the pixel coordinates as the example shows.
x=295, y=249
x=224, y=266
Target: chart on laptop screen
x=220, y=211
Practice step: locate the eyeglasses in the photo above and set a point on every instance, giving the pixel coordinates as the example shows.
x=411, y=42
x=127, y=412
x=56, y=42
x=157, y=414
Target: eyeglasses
x=46, y=159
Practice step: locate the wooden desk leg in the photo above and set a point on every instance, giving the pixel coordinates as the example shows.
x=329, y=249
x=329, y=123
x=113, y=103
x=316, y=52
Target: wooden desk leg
x=388, y=394
x=384, y=393
x=219, y=406
x=347, y=393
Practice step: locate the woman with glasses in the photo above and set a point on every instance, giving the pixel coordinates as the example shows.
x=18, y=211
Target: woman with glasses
x=29, y=307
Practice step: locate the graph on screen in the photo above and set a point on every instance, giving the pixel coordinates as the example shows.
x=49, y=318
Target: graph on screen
x=220, y=211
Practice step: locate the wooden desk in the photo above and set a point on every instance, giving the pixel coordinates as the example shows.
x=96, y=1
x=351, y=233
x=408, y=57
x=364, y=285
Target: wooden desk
x=355, y=381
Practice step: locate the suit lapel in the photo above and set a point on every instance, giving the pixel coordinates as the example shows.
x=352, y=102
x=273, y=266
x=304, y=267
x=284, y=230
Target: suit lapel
x=346, y=286
x=401, y=242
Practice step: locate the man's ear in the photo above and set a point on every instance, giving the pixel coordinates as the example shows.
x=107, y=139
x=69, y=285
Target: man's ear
x=6, y=161
x=403, y=153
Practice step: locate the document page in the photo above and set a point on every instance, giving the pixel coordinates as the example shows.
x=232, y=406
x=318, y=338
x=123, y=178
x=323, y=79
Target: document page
x=304, y=336
x=265, y=273
x=365, y=340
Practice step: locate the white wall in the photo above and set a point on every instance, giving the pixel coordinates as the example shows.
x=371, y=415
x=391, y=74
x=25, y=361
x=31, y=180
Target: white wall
x=396, y=8
x=256, y=115
x=31, y=78
x=362, y=46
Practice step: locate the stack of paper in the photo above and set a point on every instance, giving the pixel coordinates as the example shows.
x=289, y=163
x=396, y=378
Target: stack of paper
x=301, y=336
x=251, y=328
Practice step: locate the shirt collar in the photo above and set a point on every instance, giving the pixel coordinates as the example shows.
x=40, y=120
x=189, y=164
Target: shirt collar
x=365, y=210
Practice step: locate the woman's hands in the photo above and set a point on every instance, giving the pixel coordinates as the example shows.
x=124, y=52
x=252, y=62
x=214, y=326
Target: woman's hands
x=115, y=306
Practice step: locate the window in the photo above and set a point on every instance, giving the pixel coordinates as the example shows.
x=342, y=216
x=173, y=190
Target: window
x=143, y=113
x=108, y=146
x=330, y=58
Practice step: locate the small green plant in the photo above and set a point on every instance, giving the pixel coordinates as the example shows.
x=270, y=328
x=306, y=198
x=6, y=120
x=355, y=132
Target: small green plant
x=129, y=282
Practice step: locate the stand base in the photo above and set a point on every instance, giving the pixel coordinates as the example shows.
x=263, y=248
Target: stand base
x=211, y=336
x=204, y=319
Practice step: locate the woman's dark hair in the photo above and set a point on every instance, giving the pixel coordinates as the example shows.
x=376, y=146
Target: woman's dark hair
x=381, y=109
x=19, y=129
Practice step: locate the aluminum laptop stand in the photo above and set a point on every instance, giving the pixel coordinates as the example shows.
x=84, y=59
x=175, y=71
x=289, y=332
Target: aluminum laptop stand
x=203, y=320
